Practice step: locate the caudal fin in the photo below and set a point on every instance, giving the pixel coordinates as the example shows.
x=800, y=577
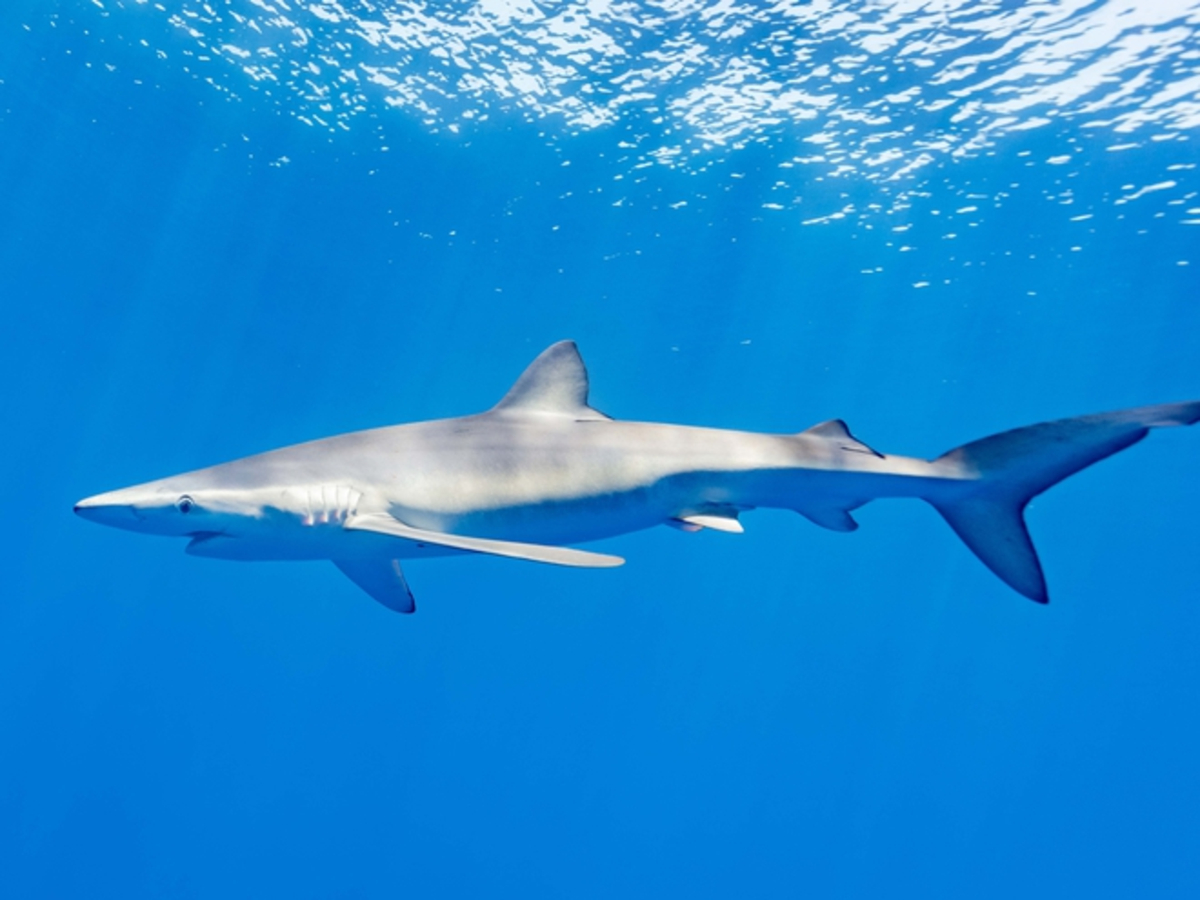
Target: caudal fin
x=1011, y=468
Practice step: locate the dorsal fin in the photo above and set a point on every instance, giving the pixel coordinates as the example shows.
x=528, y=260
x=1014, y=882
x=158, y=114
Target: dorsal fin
x=836, y=430
x=556, y=383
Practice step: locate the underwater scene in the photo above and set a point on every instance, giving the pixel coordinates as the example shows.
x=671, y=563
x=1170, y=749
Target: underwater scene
x=860, y=234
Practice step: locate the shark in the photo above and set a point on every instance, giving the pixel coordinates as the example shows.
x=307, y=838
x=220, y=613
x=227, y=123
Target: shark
x=543, y=470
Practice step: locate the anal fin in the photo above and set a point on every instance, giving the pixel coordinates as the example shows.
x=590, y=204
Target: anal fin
x=383, y=579
x=835, y=518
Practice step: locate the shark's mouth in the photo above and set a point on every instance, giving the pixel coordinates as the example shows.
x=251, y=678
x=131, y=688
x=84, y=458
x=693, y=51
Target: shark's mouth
x=200, y=537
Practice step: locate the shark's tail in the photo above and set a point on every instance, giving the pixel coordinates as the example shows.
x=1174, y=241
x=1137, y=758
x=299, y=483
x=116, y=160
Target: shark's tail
x=1009, y=469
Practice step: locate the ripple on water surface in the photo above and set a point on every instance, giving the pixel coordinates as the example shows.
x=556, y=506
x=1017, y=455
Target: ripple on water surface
x=879, y=88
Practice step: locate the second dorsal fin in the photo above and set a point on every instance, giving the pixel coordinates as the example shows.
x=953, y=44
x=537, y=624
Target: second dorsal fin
x=556, y=383
x=837, y=430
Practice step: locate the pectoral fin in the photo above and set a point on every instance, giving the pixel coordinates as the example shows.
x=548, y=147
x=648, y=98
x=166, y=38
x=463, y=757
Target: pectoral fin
x=559, y=556
x=383, y=579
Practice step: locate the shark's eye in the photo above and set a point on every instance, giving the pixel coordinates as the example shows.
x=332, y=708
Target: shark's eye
x=185, y=504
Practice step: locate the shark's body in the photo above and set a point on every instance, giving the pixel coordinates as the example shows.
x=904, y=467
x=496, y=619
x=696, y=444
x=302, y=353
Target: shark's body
x=543, y=470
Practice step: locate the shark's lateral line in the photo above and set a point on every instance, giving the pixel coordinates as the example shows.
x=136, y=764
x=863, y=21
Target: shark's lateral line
x=542, y=469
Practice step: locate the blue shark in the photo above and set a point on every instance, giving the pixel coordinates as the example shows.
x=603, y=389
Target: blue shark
x=543, y=470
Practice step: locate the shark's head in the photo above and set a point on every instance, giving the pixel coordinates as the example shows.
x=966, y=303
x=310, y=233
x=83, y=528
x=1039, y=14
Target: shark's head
x=227, y=514
x=173, y=508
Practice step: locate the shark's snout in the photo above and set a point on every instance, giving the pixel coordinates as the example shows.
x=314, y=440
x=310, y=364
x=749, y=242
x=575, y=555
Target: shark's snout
x=162, y=508
x=107, y=510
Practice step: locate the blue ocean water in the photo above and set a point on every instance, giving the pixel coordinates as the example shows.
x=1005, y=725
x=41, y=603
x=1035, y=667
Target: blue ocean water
x=230, y=226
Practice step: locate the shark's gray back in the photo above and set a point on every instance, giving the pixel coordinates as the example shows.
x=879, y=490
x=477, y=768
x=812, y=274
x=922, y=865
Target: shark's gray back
x=438, y=472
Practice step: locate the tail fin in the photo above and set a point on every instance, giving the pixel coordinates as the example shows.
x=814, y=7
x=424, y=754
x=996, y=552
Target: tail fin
x=1012, y=468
